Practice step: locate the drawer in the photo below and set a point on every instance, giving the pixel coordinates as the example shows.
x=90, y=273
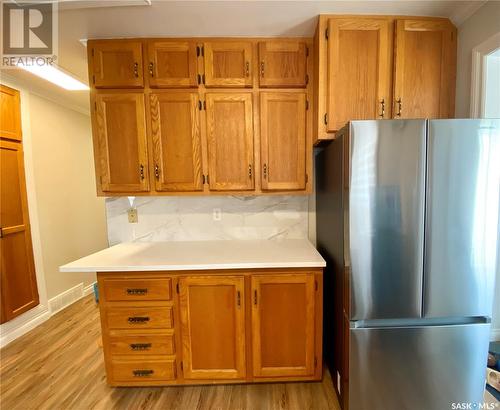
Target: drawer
x=137, y=289
x=142, y=370
x=153, y=344
x=159, y=317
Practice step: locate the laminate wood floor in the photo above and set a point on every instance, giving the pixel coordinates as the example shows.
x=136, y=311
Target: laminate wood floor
x=59, y=365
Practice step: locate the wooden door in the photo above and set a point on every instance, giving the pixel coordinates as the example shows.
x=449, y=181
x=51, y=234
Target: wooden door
x=425, y=69
x=283, y=325
x=121, y=147
x=282, y=64
x=10, y=114
x=230, y=141
x=116, y=63
x=171, y=64
x=283, y=140
x=228, y=64
x=175, y=128
x=18, y=280
x=212, y=311
x=359, y=70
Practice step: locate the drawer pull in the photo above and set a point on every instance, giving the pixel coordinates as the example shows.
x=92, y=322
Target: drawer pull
x=140, y=346
x=142, y=373
x=137, y=291
x=138, y=319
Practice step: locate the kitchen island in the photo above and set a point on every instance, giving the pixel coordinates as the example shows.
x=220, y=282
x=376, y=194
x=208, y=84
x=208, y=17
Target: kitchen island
x=175, y=313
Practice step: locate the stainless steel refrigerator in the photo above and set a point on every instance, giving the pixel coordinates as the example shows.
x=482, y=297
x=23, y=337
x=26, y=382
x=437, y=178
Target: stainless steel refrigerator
x=408, y=221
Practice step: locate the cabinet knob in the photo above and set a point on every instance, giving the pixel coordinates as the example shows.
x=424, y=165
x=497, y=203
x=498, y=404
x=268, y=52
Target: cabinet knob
x=382, y=108
x=151, y=66
x=399, y=103
x=136, y=70
x=247, y=68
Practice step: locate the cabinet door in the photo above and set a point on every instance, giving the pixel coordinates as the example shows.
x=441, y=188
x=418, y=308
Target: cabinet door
x=425, y=69
x=283, y=325
x=359, y=70
x=230, y=141
x=228, y=64
x=10, y=117
x=121, y=142
x=18, y=280
x=171, y=64
x=175, y=128
x=283, y=140
x=116, y=64
x=282, y=64
x=212, y=310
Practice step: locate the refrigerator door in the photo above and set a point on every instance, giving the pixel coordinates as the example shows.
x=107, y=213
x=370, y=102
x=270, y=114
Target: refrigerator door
x=386, y=218
x=462, y=212
x=417, y=368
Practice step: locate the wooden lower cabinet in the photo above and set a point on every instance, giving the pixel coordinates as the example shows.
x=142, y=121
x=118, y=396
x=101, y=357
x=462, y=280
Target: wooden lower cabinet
x=230, y=326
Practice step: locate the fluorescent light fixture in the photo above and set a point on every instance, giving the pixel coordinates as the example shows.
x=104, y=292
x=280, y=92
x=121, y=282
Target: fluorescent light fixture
x=56, y=76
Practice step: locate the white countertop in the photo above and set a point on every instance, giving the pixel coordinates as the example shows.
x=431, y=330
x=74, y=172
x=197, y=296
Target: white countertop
x=200, y=255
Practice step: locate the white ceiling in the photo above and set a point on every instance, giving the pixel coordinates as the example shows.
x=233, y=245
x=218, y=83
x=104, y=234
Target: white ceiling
x=90, y=19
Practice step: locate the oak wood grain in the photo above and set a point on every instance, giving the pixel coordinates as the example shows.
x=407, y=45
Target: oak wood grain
x=10, y=114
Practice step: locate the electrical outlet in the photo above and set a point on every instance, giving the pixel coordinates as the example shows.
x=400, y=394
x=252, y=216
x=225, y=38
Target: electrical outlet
x=132, y=216
x=217, y=214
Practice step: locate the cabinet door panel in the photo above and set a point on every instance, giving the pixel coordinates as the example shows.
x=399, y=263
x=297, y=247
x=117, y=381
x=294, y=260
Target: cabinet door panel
x=359, y=70
x=283, y=325
x=282, y=64
x=283, y=140
x=17, y=269
x=228, y=64
x=171, y=64
x=10, y=117
x=121, y=142
x=212, y=311
x=117, y=64
x=230, y=141
x=175, y=127
x=425, y=66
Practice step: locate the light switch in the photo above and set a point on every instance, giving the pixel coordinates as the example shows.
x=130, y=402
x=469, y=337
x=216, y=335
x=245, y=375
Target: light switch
x=132, y=215
x=217, y=214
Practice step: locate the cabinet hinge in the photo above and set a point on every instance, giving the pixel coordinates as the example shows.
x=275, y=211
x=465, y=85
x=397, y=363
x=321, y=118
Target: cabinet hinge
x=197, y=51
x=199, y=105
x=316, y=285
x=307, y=104
x=325, y=118
x=307, y=51
x=177, y=288
x=203, y=51
x=315, y=362
x=95, y=106
x=326, y=34
x=199, y=79
x=182, y=365
x=208, y=179
x=203, y=78
x=205, y=104
x=307, y=79
x=203, y=179
x=93, y=79
x=93, y=51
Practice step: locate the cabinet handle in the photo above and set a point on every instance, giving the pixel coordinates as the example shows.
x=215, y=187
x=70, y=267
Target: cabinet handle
x=247, y=68
x=142, y=373
x=138, y=319
x=265, y=171
x=137, y=291
x=250, y=171
x=140, y=346
x=255, y=297
x=382, y=108
x=262, y=68
x=399, y=103
x=151, y=72
x=136, y=70
x=157, y=171
x=141, y=172
x=238, y=298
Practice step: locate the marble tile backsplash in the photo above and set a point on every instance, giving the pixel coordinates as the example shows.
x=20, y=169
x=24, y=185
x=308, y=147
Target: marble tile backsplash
x=191, y=218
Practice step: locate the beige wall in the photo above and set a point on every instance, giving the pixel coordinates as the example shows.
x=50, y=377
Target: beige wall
x=71, y=217
x=479, y=27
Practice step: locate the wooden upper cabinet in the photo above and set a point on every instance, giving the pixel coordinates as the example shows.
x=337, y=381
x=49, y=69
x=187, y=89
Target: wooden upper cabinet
x=359, y=70
x=120, y=142
x=283, y=312
x=116, y=63
x=212, y=312
x=171, y=64
x=10, y=114
x=230, y=141
x=282, y=64
x=425, y=69
x=283, y=140
x=175, y=129
x=228, y=63
x=17, y=268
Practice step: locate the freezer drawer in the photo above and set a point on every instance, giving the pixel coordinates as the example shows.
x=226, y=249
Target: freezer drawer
x=461, y=235
x=417, y=368
x=386, y=218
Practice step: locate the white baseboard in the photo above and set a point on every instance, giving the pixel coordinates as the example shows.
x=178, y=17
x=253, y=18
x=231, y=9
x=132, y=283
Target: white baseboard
x=28, y=321
x=495, y=335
